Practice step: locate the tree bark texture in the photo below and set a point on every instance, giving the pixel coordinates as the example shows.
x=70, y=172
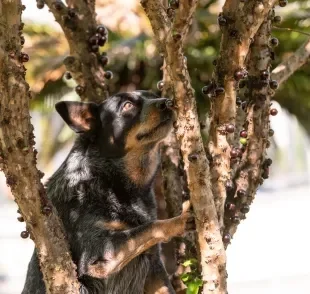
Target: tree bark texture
x=170, y=34
x=253, y=167
x=78, y=21
x=296, y=60
x=18, y=159
x=239, y=22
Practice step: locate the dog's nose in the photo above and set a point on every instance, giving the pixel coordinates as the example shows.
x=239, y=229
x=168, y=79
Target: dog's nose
x=164, y=104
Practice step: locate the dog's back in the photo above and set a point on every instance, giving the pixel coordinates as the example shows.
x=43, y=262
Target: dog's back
x=100, y=198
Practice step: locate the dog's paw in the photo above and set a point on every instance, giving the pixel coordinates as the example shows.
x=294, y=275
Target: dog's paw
x=186, y=221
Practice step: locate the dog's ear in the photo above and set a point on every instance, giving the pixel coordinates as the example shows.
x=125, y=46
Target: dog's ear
x=80, y=116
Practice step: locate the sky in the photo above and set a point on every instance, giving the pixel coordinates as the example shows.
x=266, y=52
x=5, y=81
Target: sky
x=37, y=15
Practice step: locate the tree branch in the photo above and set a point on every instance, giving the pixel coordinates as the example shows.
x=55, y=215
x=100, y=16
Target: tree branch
x=295, y=61
x=253, y=165
x=170, y=41
x=78, y=22
x=18, y=159
x=239, y=22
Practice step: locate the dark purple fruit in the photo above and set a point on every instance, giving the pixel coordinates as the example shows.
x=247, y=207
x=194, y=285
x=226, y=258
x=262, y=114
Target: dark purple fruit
x=267, y=144
x=268, y=162
x=174, y=4
x=230, y=206
x=108, y=75
x=273, y=84
x=277, y=19
x=20, y=219
x=239, y=74
x=170, y=12
x=68, y=75
x=274, y=42
x=24, y=57
x=241, y=193
x=24, y=234
x=160, y=85
x=40, y=4
x=102, y=41
x=22, y=40
x=245, y=208
x=235, y=219
x=169, y=103
x=95, y=48
x=239, y=152
x=193, y=157
x=207, y=89
x=283, y=3
x=104, y=60
x=273, y=112
x=229, y=185
x=230, y=128
x=226, y=238
x=71, y=13
x=238, y=101
x=234, y=153
x=46, y=210
x=93, y=40
x=58, y=5
x=79, y=90
x=214, y=62
x=222, y=21
x=243, y=134
x=219, y=91
x=177, y=36
x=265, y=174
x=102, y=30
x=202, y=125
x=264, y=75
x=271, y=132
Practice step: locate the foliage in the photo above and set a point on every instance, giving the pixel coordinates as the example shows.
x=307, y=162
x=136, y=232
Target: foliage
x=136, y=63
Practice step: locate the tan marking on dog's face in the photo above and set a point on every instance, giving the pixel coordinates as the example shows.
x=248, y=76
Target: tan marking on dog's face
x=141, y=164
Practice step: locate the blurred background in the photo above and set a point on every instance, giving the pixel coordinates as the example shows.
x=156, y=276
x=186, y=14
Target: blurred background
x=269, y=253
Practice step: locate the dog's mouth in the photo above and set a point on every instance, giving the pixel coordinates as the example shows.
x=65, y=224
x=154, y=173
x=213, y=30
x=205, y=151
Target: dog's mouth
x=153, y=131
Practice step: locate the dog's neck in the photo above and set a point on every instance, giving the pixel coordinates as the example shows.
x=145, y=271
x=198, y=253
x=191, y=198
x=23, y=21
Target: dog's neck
x=141, y=165
x=137, y=167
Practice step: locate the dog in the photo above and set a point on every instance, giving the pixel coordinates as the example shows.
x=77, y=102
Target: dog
x=103, y=195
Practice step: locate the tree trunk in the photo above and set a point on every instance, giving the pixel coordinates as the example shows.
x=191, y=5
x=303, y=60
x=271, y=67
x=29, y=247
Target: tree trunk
x=18, y=159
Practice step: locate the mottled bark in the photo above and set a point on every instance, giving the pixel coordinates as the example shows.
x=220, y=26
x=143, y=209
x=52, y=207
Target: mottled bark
x=239, y=22
x=18, y=159
x=85, y=63
x=296, y=60
x=253, y=165
x=170, y=35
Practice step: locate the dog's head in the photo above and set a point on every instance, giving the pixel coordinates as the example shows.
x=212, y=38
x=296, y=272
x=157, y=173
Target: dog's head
x=122, y=122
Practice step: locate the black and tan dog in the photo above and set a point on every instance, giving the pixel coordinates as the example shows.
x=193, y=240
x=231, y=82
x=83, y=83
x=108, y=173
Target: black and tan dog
x=103, y=194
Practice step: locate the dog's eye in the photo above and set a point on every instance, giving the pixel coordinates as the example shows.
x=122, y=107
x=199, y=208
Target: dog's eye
x=127, y=106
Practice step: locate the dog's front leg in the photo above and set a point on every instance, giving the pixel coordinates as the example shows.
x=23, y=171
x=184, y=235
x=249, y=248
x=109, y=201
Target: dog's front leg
x=137, y=240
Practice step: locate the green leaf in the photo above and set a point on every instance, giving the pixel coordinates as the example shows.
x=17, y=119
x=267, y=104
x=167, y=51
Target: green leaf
x=189, y=262
x=193, y=287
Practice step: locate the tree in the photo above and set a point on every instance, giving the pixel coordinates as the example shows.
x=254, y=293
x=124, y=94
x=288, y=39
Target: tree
x=221, y=173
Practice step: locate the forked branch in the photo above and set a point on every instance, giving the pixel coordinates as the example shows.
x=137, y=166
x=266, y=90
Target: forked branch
x=78, y=21
x=295, y=61
x=18, y=159
x=253, y=166
x=170, y=34
x=239, y=22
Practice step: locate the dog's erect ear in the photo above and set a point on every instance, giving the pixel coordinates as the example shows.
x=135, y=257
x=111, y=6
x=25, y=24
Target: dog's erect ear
x=80, y=116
